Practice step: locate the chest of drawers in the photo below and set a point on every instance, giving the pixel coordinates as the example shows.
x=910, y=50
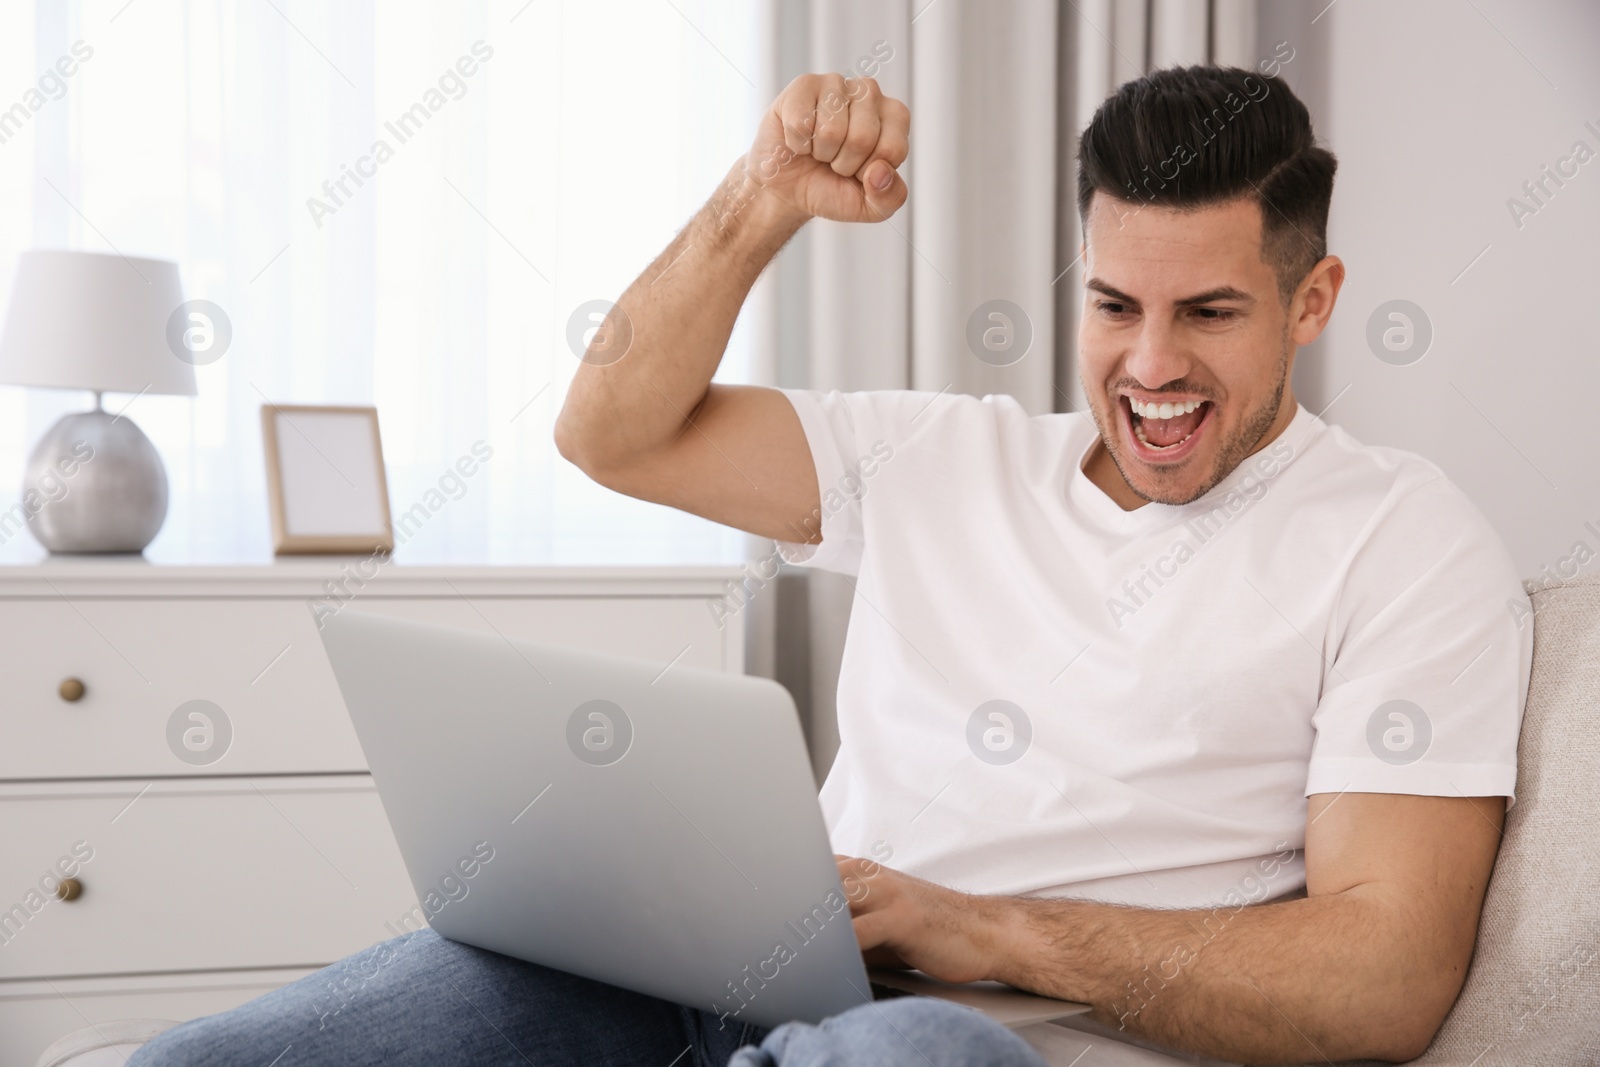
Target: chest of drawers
x=210, y=859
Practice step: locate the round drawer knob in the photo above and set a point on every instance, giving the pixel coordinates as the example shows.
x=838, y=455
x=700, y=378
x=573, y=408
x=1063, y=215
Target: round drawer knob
x=72, y=689
x=69, y=889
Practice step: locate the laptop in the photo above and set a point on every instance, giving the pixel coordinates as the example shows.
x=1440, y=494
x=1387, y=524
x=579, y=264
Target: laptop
x=648, y=825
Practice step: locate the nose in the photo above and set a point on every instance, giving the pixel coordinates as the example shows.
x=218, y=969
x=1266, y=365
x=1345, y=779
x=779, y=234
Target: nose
x=1158, y=355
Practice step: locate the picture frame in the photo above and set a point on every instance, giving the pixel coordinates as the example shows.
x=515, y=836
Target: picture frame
x=326, y=485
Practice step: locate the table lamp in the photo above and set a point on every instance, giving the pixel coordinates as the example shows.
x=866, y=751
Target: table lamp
x=81, y=320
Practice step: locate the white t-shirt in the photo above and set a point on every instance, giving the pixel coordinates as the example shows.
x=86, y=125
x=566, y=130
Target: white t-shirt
x=1042, y=693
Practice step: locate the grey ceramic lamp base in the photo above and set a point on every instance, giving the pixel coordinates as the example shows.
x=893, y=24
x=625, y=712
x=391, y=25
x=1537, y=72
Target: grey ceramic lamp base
x=97, y=485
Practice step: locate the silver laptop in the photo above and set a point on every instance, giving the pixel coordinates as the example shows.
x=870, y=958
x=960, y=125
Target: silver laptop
x=654, y=827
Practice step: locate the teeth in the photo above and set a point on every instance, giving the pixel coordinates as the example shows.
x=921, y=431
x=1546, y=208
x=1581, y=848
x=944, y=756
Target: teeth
x=1163, y=411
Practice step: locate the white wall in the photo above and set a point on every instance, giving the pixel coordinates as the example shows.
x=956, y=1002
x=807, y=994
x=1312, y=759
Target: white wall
x=1439, y=111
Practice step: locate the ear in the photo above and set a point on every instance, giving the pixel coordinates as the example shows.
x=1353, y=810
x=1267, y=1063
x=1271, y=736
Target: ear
x=1313, y=302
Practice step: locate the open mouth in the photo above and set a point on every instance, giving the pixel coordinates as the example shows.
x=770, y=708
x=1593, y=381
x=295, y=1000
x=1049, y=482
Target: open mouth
x=1165, y=431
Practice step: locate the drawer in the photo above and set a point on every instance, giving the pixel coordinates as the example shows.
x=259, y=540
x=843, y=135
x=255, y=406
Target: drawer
x=33, y=1015
x=258, y=661
x=272, y=705
x=197, y=875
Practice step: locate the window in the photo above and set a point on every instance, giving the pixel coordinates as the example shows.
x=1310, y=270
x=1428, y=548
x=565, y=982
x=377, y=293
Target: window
x=395, y=203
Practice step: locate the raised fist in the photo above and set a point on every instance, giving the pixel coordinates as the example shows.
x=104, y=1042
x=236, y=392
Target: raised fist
x=829, y=147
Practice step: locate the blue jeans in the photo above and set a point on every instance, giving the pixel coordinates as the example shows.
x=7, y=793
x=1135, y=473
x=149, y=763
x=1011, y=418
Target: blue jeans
x=425, y=1000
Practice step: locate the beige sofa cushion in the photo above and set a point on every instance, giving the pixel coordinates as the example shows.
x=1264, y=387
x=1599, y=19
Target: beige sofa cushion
x=1532, y=996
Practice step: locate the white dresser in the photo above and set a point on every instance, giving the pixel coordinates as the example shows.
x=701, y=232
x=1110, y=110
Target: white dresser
x=215, y=858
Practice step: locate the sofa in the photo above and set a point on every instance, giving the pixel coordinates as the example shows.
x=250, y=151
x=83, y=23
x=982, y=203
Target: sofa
x=1532, y=996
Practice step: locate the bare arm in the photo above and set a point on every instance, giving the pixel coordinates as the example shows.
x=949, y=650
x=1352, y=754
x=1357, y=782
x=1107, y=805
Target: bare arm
x=1366, y=965
x=642, y=416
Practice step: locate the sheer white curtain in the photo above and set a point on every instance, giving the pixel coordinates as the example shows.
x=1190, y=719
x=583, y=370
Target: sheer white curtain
x=396, y=203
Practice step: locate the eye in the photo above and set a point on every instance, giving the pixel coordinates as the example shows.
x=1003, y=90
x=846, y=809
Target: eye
x=1113, y=308
x=1215, y=314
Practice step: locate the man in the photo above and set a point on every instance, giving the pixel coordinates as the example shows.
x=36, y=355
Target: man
x=1199, y=599
x=1194, y=709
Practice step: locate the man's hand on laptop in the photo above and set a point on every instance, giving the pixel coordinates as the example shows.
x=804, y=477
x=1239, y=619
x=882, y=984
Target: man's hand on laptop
x=902, y=921
x=1365, y=966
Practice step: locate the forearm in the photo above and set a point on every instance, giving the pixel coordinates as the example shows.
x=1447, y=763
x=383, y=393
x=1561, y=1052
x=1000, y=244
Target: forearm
x=1333, y=976
x=680, y=311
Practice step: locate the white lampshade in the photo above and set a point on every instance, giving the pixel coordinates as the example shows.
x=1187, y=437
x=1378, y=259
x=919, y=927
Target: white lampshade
x=82, y=320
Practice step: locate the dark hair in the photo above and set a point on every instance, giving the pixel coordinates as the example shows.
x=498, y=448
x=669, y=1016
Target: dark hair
x=1190, y=137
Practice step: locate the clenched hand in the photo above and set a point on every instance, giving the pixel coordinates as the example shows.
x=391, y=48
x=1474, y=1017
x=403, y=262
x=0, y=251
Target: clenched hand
x=829, y=147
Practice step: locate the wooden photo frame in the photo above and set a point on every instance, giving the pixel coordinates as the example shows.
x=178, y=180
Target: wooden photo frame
x=325, y=479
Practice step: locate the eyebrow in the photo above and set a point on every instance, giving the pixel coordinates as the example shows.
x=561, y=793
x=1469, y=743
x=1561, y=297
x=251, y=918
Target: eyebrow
x=1221, y=292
